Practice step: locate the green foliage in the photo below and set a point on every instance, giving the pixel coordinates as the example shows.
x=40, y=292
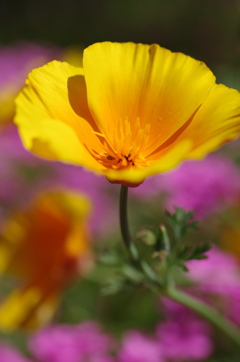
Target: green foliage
x=182, y=248
x=161, y=249
x=181, y=222
x=172, y=245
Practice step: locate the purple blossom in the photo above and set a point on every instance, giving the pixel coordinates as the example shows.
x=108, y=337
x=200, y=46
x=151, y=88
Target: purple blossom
x=69, y=343
x=188, y=340
x=183, y=336
x=137, y=347
x=205, y=186
x=9, y=354
x=218, y=276
x=219, y=272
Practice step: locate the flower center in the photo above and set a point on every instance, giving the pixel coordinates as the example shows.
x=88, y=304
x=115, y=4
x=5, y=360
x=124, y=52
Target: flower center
x=124, y=145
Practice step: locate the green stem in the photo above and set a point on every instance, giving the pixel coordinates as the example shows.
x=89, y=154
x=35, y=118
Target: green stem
x=124, y=216
x=207, y=312
x=131, y=248
x=159, y=286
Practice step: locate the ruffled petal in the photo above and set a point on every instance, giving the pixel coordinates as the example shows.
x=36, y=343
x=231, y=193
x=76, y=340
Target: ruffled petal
x=53, y=116
x=217, y=121
x=143, y=83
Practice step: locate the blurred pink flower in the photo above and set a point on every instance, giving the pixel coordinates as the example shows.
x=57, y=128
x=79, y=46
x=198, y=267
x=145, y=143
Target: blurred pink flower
x=217, y=273
x=72, y=343
x=183, y=336
x=9, y=354
x=218, y=276
x=204, y=187
x=137, y=347
x=184, y=341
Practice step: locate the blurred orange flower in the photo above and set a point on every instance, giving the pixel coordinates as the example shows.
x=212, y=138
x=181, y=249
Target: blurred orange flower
x=43, y=248
x=132, y=111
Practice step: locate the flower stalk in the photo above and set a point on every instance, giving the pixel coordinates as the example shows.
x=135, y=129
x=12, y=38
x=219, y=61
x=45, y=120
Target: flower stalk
x=130, y=246
x=156, y=284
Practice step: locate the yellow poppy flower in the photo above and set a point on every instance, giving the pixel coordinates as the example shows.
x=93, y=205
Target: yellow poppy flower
x=131, y=111
x=42, y=249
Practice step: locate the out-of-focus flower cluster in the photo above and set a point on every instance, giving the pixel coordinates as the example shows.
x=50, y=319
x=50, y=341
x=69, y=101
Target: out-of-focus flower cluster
x=208, y=187
x=68, y=343
x=37, y=259
x=181, y=336
x=204, y=187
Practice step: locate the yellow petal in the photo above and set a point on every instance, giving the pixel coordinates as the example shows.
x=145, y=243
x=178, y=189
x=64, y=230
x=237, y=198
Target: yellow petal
x=43, y=248
x=216, y=122
x=26, y=308
x=148, y=83
x=53, y=116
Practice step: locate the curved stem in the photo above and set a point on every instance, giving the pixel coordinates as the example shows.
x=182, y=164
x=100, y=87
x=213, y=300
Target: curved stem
x=159, y=286
x=207, y=312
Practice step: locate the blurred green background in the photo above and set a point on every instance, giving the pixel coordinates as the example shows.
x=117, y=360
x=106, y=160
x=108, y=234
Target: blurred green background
x=206, y=29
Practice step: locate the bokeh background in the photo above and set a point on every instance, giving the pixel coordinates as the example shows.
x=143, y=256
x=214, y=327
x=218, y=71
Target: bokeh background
x=205, y=29
x=94, y=317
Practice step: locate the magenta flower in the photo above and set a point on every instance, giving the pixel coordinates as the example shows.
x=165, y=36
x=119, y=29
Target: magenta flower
x=183, y=336
x=137, y=347
x=217, y=273
x=184, y=341
x=218, y=276
x=9, y=354
x=204, y=187
x=72, y=343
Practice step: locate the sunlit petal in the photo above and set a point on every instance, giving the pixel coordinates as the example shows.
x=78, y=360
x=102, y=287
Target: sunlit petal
x=149, y=83
x=51, y=112
x=132, y=111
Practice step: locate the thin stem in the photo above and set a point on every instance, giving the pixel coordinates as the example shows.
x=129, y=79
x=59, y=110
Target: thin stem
x=124, y=217
x=131, y=248
x=171, y=292
x=207, y=312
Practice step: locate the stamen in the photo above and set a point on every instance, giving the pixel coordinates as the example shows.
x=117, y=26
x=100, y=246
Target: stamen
x=124, y=144
x=99, y=134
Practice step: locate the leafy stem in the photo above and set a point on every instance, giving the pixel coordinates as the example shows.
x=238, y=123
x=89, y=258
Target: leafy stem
x=166, y=288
